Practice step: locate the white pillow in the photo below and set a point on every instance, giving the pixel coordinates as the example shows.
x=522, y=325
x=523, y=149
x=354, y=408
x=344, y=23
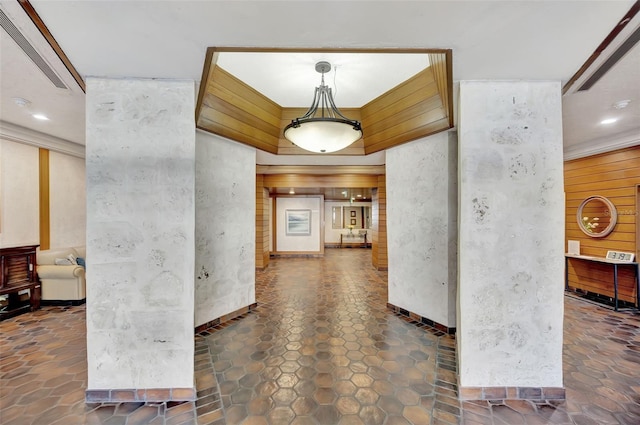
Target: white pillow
x=72, y=259
x=63, y=262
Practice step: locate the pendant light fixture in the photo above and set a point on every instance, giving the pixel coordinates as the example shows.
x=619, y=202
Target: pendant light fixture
x=323, y=128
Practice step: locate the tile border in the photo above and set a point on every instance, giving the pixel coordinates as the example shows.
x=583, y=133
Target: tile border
x=226, y=318
x=140, y=395
x=512, y=393
x=425, y=321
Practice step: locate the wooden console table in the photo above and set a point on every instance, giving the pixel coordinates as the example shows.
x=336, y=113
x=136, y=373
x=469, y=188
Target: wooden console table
x=18, y=272
x=615, y=264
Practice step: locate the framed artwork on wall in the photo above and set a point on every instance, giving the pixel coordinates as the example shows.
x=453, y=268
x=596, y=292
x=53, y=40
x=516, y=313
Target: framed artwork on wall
x=353, y=213
x=353, y=221
x=298, y=222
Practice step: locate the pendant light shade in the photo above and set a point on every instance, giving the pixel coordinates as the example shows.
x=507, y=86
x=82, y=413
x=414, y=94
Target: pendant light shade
x=323, y=128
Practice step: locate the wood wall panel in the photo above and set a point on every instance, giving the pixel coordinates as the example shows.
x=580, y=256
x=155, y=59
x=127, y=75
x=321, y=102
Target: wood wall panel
x=614, y=175
x=409, y=111
x=262, y=223
x=315, y=180
x=441, y=64
x=230, y=108
x=320, y=169
x=379, y=223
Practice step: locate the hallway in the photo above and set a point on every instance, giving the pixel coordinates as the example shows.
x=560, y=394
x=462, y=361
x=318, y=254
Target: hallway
x=321, y=348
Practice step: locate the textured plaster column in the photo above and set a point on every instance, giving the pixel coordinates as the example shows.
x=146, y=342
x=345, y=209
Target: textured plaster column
x=140, y=163
x=422, y=219
x=511, y=243
x=225, y=229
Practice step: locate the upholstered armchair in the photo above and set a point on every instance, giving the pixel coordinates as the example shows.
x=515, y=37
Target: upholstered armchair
x=62, y=278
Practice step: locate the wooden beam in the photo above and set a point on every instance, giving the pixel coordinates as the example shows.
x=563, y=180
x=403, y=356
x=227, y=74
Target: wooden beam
x=39, y=23
x=312, y=180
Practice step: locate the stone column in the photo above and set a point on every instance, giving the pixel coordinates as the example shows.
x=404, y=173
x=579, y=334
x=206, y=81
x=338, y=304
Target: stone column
x=225, y=228
x=511, y=240
x=422, y=220
x=140, y=163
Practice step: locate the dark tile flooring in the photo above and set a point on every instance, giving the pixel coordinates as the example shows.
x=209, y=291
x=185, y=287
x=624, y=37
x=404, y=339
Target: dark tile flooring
x=321, y=348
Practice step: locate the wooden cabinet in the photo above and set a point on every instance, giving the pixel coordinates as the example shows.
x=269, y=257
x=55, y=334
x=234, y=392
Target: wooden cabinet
x=19, y=284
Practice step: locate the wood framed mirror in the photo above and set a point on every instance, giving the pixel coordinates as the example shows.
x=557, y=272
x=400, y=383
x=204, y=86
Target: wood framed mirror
x=597, y=216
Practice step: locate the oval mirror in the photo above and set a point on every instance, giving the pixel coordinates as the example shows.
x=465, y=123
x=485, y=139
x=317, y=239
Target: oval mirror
x=597, y=216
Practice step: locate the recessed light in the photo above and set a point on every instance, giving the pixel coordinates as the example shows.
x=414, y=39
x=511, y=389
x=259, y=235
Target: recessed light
x=21, y=102
x=40, y=117
x=359, y=196
x=292, y=192
x=621, y=104
x=609, y=121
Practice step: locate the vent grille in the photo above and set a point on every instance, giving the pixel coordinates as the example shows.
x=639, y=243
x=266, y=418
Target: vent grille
x=613, y=59
x=30, y=51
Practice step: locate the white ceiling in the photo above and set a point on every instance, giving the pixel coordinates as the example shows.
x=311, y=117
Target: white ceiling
x=355, y=79
x=539, y=40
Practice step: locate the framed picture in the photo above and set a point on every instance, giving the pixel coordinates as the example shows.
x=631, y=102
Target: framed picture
x=298, y=222
x=353, y=221
x=353, y=213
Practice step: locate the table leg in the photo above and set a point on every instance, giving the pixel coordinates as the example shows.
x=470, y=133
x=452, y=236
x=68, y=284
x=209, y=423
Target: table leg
x=615, y=285
x=638, y=286
x=566, y=273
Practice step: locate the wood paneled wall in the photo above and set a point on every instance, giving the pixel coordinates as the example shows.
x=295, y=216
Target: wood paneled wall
x=262, y=223
x=317, y=180
x=616, y=176
x=379, y=225
x=234, y=110
x=409, y=111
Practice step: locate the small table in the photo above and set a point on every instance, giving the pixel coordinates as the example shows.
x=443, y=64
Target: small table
x=615, y=264
x=344, y=238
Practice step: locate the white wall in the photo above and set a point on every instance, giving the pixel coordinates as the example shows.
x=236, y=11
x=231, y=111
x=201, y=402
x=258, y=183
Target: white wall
x=140, y=233
x=511, y=230
x=225, y=227
x=19, y=194
x=271, y=209
x=67, y=203
x=421, y=180
x=299, y=243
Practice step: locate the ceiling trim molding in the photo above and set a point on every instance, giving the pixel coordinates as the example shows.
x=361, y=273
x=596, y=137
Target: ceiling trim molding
x=42, y=27
x=603, y=145
x=18, y=134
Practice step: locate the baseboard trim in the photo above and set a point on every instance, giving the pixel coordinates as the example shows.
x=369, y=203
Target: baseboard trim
x=421, y=319
x=226, y=318
x=140, y=395
x=512, y=393
x=62, y=302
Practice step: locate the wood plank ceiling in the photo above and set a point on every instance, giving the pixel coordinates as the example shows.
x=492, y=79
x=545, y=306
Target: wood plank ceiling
x=418, y=107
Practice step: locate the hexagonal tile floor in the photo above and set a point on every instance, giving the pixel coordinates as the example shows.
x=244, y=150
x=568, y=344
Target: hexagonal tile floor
x=321, y=348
